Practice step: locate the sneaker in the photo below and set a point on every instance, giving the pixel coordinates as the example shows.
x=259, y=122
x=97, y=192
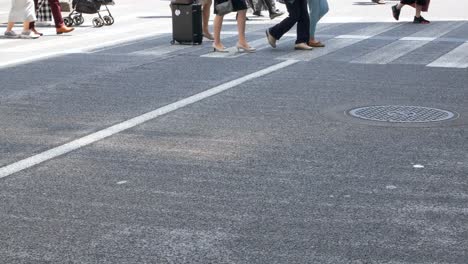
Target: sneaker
x=277, y=13
x=396, y=12
x=29, y=35
x=270, y=38
x=10, y=34
x=420, y=20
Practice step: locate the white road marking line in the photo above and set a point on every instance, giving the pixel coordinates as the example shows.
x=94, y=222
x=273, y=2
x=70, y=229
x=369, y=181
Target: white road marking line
x=160, y=50
x=353, y=37
x=259, y=44
x=457, y=58
x=110, y=131
x=340, y=43
x=123, y=44
x=406, y=45
x=418, y=39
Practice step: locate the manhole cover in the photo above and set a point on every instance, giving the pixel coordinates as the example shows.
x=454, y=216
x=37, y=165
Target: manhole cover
x=401, y=114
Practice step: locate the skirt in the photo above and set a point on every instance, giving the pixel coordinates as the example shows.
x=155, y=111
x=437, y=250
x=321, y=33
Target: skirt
x=22, y=10
x=237, y=5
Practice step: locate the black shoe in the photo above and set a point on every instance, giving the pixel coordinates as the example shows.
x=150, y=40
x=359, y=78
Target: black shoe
x=257, y=13
x=396, y=12
x=420, y=20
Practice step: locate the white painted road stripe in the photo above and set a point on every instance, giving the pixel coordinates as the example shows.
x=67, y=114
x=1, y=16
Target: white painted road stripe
x=161, y=50
x=406, y=45
x=457, y=58
x=259, y=44
x=107, y=132
x=340, y=43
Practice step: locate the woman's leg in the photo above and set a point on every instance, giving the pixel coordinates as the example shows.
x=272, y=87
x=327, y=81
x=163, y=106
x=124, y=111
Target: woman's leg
x=314, y=16
x=217, y=25
x=418, y=19
x=10, y=26
x=206, y=19
x=241, y=17
x=32, y=25
x=419, y=5
x=26, y=25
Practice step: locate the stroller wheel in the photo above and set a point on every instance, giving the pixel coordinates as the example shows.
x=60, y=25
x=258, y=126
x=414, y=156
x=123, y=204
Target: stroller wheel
x=108, y=20
x=98, y=22
x=78, y=20
x=68, y=21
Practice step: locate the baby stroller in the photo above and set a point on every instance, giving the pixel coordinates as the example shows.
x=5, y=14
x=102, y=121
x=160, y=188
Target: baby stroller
x=80, y=7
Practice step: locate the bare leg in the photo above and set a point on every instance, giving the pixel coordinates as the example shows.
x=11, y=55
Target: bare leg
x=26, y=26
x=241, y=17
x=217, y=25
x=206, y=19
x=10, y=26
x=418, y=10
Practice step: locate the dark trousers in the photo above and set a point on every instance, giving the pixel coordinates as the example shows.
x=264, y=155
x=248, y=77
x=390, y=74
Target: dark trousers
x=297, y=14
x=410, y=2
x=56, y=12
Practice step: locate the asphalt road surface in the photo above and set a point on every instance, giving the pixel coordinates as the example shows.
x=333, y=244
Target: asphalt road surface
x=145, y=152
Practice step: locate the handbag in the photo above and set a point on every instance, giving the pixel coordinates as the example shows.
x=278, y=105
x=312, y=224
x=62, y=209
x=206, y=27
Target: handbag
x=224, y=8
x=43, y=12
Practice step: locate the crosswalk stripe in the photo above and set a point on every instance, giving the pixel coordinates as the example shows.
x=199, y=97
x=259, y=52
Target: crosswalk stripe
x=457, y=58
x=403, y=46
x=259, y=44
x=160, y=50
x=437, y=29
x=340, y=42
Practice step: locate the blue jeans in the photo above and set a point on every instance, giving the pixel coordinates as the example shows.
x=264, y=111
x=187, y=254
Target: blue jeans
x=317, y=9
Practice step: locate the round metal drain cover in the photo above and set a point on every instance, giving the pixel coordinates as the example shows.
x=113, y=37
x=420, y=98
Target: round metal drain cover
x=401, y=114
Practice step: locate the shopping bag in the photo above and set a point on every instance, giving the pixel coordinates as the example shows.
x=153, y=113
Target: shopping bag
x=43, y=12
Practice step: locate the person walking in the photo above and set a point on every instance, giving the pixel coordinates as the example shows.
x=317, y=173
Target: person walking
x=21, y=10
x=58, y=19
x=317, y=9
x=206, y=6
x=240, y=7
x=420, y=5
x=297, y=13
x=270, y=5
